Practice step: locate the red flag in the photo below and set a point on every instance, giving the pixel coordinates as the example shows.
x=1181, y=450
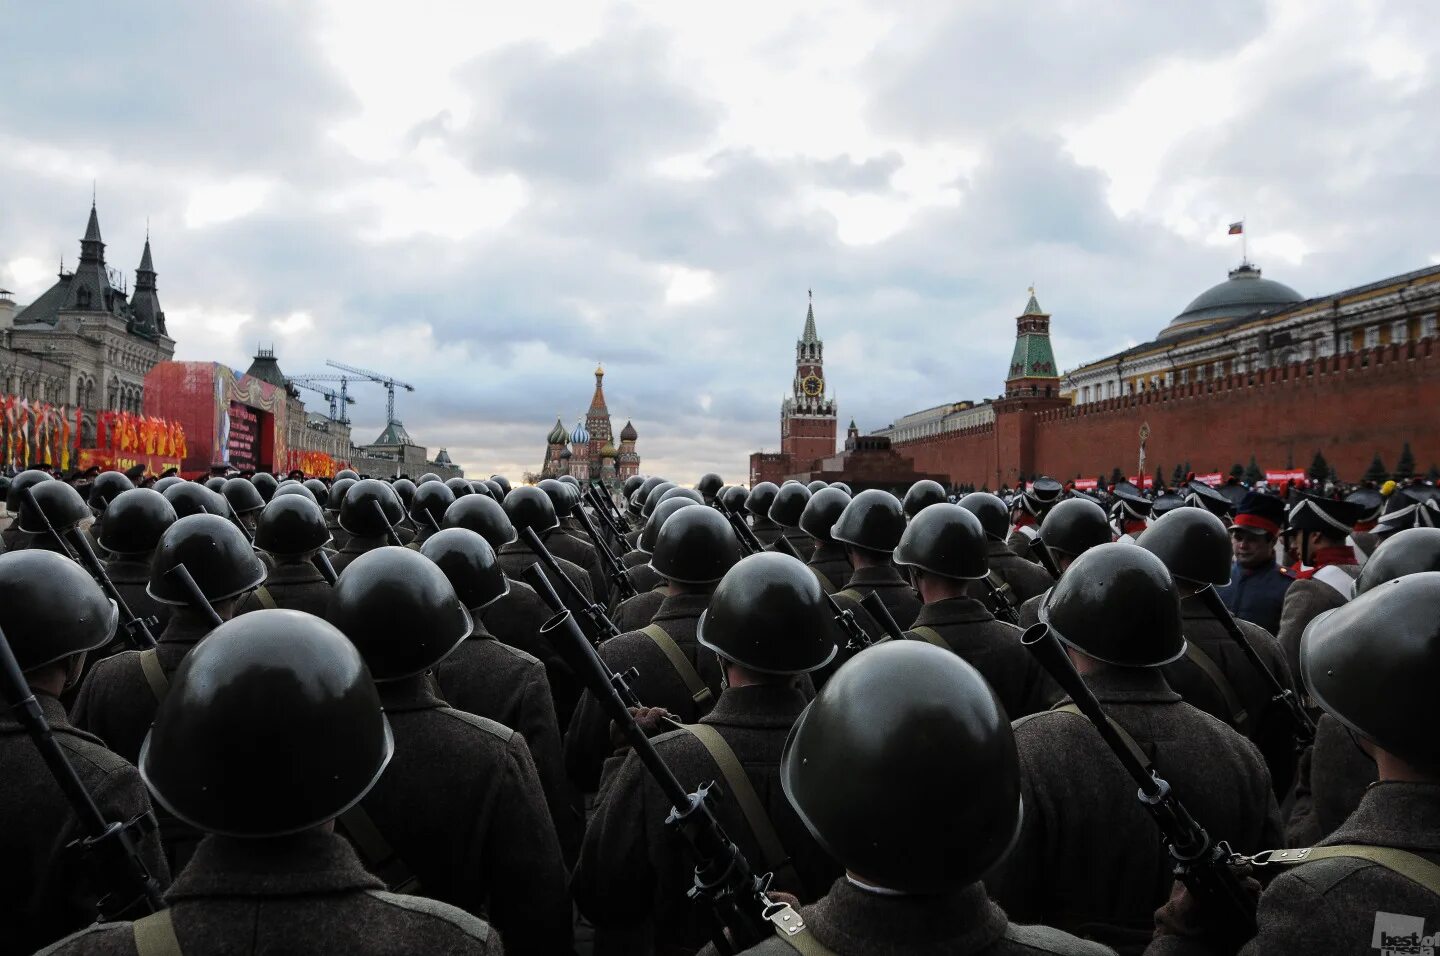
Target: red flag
x=1237, y=228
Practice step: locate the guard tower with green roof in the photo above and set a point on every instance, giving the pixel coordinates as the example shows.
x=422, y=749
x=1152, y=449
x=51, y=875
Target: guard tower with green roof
x=1032, y=364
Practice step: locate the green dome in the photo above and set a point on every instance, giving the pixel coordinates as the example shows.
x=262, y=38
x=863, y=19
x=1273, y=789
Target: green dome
x=557, y=435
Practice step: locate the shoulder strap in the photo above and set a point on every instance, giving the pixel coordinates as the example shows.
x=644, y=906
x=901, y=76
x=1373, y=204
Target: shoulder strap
x=1339, y=581
x=155, y=935
x=790, y=929
x=737, y=781
x=1412, y=866
x=154, y=674
x=931, y=635
x=1239, y=717
x=266, y=599
x=1130, y=744
x=492, y=727
x=379, y=856
x=699, y=692
x=825, y=584
x=850, y=593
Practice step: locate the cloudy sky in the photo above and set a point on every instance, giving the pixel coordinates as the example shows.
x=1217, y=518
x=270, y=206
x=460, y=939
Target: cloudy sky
x=486, y=199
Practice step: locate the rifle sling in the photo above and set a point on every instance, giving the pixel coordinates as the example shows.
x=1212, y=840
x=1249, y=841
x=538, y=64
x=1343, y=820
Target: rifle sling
x=1130, y=744
x=155, y=935
x=737, y=782
x=699, y=692
x=379, y=856
x=799, y=939
x=1239, y=717
x=154, y=674
x=1412, y=866
x=931, y=635
x=266, y=599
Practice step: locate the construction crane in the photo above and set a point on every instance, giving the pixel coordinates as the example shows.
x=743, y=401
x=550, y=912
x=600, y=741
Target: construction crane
x=389, y=383
x=338, y=400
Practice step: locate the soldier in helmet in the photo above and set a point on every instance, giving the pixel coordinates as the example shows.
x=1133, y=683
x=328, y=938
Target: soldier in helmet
x=118, y=700
x=244, y=500
x=531, y=508
x=135, y=521
x=106, y=487
x=869, y=529
x=785, y=510
x=942, y=550
x=922, y=495
x=1323, y=525
x=767, y=622
x=1015, y=579
x=52, y=614
x=274, y=730
x=1257, y=585
x=53, y=510
x=758, y=503
x=428, y=506
x=291, y=533
x=193, y=498
x=494, y=680
x=635, y=612
x=692, y=552
x=1334, y=772
x=332, y=501
x=709, y=486
x=1372, y=666
x=1214, y=674
x=827, y=559
x=453, y=773
x=1028, y=510
x=368, y=516
x=871, y=768
x=1089, y=855
x=1068, y=530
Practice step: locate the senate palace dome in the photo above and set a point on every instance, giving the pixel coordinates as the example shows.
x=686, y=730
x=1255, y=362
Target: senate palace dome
x=1245, y=292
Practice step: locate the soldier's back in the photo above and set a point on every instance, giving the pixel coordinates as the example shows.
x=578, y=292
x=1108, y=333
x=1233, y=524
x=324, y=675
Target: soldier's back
x=130, y=579
x=634, y=613
x=292, y=586
x=993, y=648
x=1019, y=578
x=1334, y=775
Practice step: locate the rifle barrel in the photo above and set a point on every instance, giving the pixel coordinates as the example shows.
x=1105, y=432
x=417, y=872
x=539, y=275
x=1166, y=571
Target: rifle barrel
x=1304, y=726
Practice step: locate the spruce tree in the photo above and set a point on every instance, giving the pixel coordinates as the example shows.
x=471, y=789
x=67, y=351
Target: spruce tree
x=1405, y=467
x=1434, y=473
x=1116, y=476
x=1376, y=472
x=1253, y=474
x=1319, y=467
x=1178, y=475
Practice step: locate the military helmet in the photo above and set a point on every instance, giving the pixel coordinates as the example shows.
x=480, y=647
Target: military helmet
x=635, y=504
x=215, y=483
x=679, y=492
x=922, y=494
x=485, y=516
x=994, y=516
x=1076, y=525
x=51, y=608
x=286, y=488
x=1165, y=503
x=404, y=489
x=569, y=480
x=106, y=486
x=497, y=490
x=1042, y=495
x=459, y=487
x=945, y=539
x=135, y=521
x=318, y=488
x=335, y=498
x=649, y=484
x=469, y=563
x=432, y=498
x=271, y=704
x=427, y=477
x=214, y=551
x=843, y=487
x=816, y=485
x=1373, y=664
x=370, y=509
x=291, y=525
x=558, y=493
x=1118, y=604
x=628, y=486
x=481, y=487
x=1194, y=545
x=872, y=520
x=56, y=501
x=504, y=484
x=529, y=507
x=768, y=614
x=162, y=483
x=761, y=497
x=657, y=519
x=264, y=483
x=652, y=499
x=191, y=498
x=1200, y=495
x=881, y=754
x=788, y=505
x=1413, y=551
x=822, y=511
x=733, y=497
x=243, y=496
x=400, y=610
x=347, y=473
x=693, y=546
x=709, y=485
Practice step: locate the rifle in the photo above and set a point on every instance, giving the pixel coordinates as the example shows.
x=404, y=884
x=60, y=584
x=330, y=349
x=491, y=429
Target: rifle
x=321, y=561
x=78, y=549
x=113, y=849
x=605, y=505
x=389, y=528
x=736, y=897
x=1304, y=728
x=1199, y=862
x=783, y=546
x=600, y=624
x=537, y=579
x=1004, y=610
x=1047, y=561
x=743, y=531
x=613, y=567
x=876, y=609
x=198, y=600
x=857, y=638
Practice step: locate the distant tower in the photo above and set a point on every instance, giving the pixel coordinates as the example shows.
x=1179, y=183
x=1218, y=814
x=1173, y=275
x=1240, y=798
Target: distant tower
x=627, y=463
x=146, y=316
x=597, y=420
x=580, y=440
x=1032, y=364
x=808, y=418
x=554, y=445
x=852, y=435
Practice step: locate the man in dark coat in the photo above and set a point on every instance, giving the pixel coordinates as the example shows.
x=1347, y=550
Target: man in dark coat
x=1014, y=578
x=1256, y=592
x=869, y=529
x=291, y=532
x=1028, y=510
x=1331, y=568
x=1331, y=780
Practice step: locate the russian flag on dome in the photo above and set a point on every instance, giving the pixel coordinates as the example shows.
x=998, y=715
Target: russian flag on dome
x=1236, y=228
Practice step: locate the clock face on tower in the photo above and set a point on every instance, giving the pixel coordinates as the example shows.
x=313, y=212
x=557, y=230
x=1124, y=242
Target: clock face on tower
x=813, y=385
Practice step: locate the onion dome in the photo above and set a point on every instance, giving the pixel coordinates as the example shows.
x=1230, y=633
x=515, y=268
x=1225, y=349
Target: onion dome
x=564, y=453
x=628, y=433
x=557, y=434
x=581, y=434
x=608, y=451
x=1245, y=292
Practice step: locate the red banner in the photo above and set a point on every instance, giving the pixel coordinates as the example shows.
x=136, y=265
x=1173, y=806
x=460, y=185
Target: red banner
x=1275, y=477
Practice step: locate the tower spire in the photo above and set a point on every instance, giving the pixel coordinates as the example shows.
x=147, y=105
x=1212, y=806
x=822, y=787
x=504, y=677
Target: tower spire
x=810, y=336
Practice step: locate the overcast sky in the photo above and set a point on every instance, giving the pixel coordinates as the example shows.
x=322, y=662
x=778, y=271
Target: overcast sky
x=486, y=199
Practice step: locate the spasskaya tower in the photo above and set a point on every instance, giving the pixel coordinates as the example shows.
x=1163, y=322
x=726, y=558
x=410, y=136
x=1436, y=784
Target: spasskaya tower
x=808, y=419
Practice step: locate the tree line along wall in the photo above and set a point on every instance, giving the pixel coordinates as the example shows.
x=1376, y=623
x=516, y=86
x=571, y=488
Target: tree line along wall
x=1349, y=407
